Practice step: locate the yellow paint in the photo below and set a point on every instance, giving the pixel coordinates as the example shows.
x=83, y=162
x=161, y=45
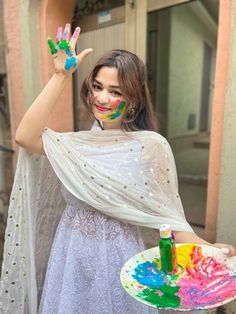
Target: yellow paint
x=157, y=262
x=183, y=255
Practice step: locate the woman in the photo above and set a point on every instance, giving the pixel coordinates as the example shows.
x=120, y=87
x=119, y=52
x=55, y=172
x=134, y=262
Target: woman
x=112, y=180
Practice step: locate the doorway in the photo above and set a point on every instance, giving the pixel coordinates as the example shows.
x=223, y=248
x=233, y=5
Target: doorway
x=181, y=50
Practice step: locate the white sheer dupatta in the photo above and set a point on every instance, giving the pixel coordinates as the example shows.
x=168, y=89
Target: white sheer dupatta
x=128, y=176
x=35, y=208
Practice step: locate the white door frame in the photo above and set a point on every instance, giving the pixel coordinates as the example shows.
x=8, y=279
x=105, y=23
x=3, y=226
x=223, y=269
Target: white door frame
x=153, y=5
x=136, y=22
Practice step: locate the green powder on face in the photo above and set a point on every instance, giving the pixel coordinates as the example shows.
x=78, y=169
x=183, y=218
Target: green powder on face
x=163, y=297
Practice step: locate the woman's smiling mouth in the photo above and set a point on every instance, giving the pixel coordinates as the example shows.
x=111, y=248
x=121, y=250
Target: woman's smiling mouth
x=102, y=109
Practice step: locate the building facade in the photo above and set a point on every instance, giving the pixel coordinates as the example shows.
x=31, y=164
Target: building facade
x=137, y=26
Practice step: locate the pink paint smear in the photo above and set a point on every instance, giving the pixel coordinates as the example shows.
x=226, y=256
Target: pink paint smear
x=207, y=282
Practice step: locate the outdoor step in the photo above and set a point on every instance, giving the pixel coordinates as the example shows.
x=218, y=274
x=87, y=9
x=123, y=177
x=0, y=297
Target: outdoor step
x=193, y=179
x=204, y=143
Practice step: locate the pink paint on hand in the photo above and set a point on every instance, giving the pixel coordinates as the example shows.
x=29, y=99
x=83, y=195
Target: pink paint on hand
x=59, y=34
x=76, y=32
x=66, y=32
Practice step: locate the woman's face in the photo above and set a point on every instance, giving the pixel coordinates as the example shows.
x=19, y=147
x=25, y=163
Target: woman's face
x=108, y=103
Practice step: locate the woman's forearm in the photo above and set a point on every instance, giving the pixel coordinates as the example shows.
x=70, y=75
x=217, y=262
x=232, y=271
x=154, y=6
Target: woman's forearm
x=189, y=237
x=36, y=118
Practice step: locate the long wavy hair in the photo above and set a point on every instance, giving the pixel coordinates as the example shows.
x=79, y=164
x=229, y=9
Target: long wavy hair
x=132, y=78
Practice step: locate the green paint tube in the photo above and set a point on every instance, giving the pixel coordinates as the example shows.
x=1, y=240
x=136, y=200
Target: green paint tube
x=167, y=251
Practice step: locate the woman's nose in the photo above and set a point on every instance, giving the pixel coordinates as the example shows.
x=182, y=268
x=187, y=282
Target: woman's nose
x=103, y=97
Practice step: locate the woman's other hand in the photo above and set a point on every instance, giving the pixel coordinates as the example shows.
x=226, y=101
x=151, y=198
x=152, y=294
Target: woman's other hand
x=228, y=249
x=191, y=237
x=63, y=52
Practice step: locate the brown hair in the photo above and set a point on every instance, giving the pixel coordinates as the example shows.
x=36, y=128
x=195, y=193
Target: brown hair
x=132, y=79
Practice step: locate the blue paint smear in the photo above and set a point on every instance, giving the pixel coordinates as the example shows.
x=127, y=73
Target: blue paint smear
x=118, y=112
x=70, y=63
x=147, y=274
x=68, y=52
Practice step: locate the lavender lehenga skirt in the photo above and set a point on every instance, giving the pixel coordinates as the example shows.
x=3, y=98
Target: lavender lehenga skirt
x=83, y=274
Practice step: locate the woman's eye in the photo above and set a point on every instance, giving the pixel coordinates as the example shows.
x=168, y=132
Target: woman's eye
x=116, y=93
x=96, y=87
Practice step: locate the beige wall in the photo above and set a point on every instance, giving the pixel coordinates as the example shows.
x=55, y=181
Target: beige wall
x=52, y=14
x=29, y=37
x=15, y=67
x=226, y=218
x=2, y=41
x=29, y=65
x=218, y=123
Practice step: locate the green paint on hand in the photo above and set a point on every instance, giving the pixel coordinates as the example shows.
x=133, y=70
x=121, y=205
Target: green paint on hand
x=64, y=45
x=52, y=47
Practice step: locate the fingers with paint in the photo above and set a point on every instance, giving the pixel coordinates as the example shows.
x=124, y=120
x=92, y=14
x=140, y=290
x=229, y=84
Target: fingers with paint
x=76, y=33
x=66, y=32
x=59, y=34
x=63, y=44
x=52, y=47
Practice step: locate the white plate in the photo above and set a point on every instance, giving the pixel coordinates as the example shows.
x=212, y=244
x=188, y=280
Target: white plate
x=212, y=281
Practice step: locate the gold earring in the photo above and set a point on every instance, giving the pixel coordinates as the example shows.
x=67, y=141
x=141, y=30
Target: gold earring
x=131, y=110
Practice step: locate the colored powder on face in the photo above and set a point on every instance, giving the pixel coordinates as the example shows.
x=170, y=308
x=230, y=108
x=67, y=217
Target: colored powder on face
x=164, y=297
x=116, y=113
x=115, y=104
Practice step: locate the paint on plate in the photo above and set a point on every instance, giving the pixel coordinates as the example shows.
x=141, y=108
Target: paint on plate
x=203, y=281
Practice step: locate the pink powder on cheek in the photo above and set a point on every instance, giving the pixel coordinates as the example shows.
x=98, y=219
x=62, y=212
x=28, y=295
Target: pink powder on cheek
x=115, y=104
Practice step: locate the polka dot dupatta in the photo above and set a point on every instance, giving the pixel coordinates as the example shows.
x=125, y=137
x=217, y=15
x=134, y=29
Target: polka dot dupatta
x=130, y=176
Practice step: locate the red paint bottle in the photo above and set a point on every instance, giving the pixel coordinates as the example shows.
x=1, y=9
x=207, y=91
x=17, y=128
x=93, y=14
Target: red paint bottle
x=167, y=251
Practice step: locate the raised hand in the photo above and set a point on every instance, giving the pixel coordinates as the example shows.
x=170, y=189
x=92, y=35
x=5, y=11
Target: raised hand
x=63, y=52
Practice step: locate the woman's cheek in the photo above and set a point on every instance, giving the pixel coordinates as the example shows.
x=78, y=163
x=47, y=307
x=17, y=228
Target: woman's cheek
x=115, y=104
